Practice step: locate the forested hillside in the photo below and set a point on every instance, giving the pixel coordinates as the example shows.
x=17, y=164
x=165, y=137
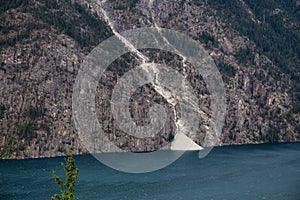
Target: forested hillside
x=255, y=45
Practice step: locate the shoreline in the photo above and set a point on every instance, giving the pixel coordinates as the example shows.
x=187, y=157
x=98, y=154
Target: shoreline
x=226, y=145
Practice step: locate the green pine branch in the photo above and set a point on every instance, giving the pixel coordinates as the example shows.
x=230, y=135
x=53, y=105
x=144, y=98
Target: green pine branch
x=67, y=187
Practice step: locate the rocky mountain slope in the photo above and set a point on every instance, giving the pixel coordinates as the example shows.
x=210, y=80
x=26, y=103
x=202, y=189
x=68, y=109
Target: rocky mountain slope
x=42, y=43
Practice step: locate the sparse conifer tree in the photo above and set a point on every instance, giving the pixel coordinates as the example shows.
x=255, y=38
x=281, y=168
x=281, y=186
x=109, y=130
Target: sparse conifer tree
x=67, y=187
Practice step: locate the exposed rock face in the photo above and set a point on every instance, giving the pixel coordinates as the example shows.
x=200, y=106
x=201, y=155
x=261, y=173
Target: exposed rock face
x=43, y=45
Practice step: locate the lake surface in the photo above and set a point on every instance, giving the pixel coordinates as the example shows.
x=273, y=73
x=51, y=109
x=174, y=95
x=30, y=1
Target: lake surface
x=266, y=171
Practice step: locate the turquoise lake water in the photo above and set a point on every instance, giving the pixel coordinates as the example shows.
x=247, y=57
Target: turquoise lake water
x=266, y=171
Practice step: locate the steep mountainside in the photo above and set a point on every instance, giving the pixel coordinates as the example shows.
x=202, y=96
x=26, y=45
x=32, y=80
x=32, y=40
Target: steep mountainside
x=42, y=44
x=255, y=45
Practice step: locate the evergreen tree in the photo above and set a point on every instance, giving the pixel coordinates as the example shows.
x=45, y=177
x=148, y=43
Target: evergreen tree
x=67, y=192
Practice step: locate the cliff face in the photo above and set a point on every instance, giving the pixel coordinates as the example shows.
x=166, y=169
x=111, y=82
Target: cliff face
x=255, y=47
